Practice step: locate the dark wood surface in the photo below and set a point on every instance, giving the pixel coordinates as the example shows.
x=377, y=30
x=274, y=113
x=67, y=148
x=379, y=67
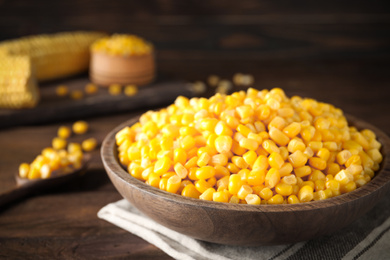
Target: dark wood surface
x=333, y=51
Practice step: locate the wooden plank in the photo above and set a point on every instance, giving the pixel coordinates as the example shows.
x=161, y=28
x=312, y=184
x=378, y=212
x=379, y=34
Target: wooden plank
x=54, y=108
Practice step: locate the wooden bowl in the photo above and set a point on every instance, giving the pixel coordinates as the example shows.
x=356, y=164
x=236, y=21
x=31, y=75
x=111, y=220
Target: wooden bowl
x=109, y=69
x=241, y=224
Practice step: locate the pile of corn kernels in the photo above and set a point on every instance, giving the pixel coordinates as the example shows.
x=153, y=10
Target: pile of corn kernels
x=253, y=147
x=62, y=157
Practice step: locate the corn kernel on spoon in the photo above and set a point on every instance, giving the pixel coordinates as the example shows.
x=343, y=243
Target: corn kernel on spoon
x=25, y=186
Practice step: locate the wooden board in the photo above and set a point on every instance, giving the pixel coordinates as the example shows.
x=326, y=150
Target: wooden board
x=54, y=108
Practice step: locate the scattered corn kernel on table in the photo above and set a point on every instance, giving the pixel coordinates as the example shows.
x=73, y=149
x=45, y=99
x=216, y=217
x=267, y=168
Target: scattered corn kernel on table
x=63, y=223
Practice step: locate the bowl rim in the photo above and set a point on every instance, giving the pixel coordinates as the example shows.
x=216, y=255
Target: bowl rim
x=378, y=183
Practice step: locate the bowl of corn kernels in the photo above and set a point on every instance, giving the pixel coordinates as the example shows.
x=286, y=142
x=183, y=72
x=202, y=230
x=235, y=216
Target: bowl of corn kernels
x=122, y=59
x=252, y=168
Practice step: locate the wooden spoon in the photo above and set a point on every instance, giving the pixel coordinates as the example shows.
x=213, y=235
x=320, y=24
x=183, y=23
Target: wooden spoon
x=26, y=186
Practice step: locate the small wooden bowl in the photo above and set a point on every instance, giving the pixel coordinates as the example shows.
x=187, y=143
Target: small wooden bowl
x=248, y=225
x=109, y=69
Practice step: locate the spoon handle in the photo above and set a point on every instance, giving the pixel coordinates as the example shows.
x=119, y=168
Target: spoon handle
x=14, y=194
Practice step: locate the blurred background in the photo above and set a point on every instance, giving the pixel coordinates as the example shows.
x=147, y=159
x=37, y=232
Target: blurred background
x=332, y=47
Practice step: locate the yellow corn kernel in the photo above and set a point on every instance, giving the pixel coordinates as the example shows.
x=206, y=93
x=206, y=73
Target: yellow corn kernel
x=232, y=122
x=136, y=171
x=264, y=112
x=80, y=127
x=237, y=149
x=130, y=90
x=354, y=169
x=350, y=186
x=223, y=143
x=244, y=130
x=354, y=159
x=253, y=199
x=292, y=199
x=275, y=160
x=256, y=177
x=244, y=191
x=76, y=94
x=289, y=179
x=222, y=128
x=250, y=157
x=173, y=184
x=286, y=169
x=244, y=174
x=317, y=163
x=297, y=159
x=245, y=111
x=235, y=183
x=277, y=122
x=276, y=199
x=375, y=155
x=64, y=132
x=343, y=177
x=219, y=160
x=249, y=144
x=270, y=146
x=59, y=143
x=190, y=191
x=234, y=199
x=261, y=163
x=284, y=189
x=343, y=156
x=207, y=194
x=163, y=183
x=221, y=171
x=296, y=145
x=292, y=129
x=255, y=137
x=180, y=170
x=317, y=175
x=89, y=144
x=24, y=169
x=333, y=185
x=239, y=162
x=306, y=193
x=205, y=172
x=154, y=180
x=114, y=89
x=278, y=136
x=203, y=159
x=202, y=185
x=272, y=178
x=284, y=152
x=162, y=165
x=302, y=171
x=220, y=196
x=232, y=168
x=179, y=156
x=187, y=143
x=91, y=88
x=266, y=193
x=62, y=90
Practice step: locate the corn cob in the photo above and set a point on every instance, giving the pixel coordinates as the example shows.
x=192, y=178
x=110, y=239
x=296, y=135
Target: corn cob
x=18, y=88
x=54, y=56
x=37, y=58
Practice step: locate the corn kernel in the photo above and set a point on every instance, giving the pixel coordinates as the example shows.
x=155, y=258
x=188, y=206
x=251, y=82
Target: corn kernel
x=305, y=193
x=80, y=127
x=59, y=143
x=223, y=143
x=64, y=132
x=89, y=144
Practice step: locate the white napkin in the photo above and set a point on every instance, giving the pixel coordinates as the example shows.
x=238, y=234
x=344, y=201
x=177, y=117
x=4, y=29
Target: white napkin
x=178, y=246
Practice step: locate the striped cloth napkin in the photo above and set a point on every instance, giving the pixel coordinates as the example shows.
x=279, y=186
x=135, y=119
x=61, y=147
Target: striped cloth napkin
x=366, y=238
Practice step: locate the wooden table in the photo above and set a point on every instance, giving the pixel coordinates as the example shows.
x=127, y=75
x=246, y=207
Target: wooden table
x=62, y=223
